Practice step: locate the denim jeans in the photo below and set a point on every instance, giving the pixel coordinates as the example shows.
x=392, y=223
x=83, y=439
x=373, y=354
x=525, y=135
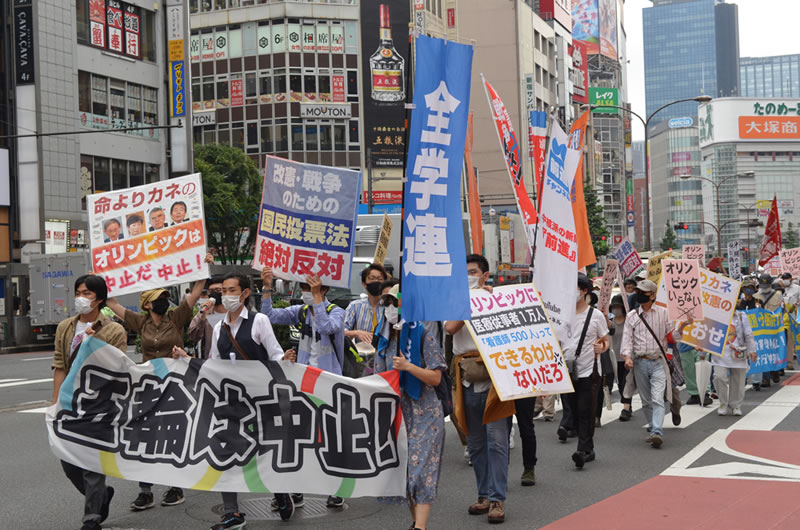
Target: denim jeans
x=651, y=380
x=488, y=447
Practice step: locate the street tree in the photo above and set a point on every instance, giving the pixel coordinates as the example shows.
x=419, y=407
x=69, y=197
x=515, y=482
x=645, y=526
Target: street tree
x=232, y=198
x=597, y=222
x=670, y=239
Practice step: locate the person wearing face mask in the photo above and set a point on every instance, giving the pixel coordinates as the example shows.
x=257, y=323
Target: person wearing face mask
x=161, y=331
x=645, y=336
x=618, y=324
x=361, y=317
x=90, y=297
x=201, y=328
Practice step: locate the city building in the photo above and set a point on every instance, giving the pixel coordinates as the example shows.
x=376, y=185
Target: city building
x=691, y=48
x=754, y=144
x=558, y=15
x=675, y=155
x=639, y=194
x=516, y=51
x=766, y=77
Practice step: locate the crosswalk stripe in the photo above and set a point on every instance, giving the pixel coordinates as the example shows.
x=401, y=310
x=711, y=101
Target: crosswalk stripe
x=26, y=382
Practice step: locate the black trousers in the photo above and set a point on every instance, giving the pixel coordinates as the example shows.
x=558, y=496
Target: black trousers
x=583, y=402
x=622, y=374
x=568, y=411
x=92, y=486
x=527, y=433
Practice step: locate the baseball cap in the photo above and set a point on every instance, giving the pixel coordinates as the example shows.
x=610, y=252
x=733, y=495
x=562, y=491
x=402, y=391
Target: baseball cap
x=647, y=286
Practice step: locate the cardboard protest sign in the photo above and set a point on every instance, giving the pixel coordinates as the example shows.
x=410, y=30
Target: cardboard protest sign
x=697, y=252
x=230, y=426
x=629, y=261
x=517, y=342
x=383, y=241
x=682, y=279
x=307, y=221
x=734, y=260
x=770, y=341
x=719, y=295
x=654, y=266
x=610, y=274
x=790, y=261
x=148, y=236
x=773, y=266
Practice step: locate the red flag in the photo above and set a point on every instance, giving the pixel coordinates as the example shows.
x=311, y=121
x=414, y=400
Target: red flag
x=771, y=244
x=586, y=255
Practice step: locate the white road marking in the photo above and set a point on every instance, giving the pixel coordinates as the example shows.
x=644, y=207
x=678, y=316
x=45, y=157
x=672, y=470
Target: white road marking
x=50, y=358
x=10, y=380
x=40, y=410
x=26, y=382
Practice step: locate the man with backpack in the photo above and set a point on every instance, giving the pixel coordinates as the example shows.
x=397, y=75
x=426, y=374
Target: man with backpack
x=322, y=343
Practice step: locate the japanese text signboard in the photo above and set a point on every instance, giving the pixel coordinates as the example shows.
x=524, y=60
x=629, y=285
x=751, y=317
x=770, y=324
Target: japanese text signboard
x=604, y=97
x=770, y=341
x=383, y=241
x=629, y=261
x=682, y=280
x=517, y=343
x=697, y=252
x=735, y=260
x=790, y=261
x=609, y=275
x=654, y=266
x=307, y=221
x=230, y=426
x=434, y=256
x=149, y=236
x=719, y=295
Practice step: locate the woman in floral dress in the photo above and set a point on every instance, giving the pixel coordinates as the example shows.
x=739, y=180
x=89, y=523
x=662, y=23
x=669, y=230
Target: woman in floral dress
x=421, y=408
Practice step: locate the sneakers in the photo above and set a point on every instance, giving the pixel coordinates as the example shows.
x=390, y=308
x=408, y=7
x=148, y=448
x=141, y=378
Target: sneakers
x=656, y=440
x=172, y=497
x=106, y=504
x=625, y=415
x=91, y=525
x=480, y=507
x=722, y=410
x=511, y=438
x=335, y=502
x=694, y=399
x=529, y=477
x=649, y=438
x=590, y=456
x=676, y=417
x=579, y=457
x=497, y=512
x=736, y=412
x=231, y=521
x=143, y=502
x=707, y=400
x=562, y=434
x=297, y=499
x=285, y=506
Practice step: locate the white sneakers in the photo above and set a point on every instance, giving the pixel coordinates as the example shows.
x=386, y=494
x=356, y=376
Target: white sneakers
x=736, y=412
x=725, y=410
x=722, y=410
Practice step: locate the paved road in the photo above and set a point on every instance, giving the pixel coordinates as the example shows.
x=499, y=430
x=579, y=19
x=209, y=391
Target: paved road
x=683, y=485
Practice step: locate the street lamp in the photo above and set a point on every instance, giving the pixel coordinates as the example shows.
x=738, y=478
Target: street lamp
x=718, y=227
x=646, y=123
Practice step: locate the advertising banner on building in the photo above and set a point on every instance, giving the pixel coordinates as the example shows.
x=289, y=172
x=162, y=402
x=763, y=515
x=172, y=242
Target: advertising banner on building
x=629, y=261
x=770, y=341
x=603, y=97
x=434, y=255
x=148, y=236
x=384, y=47
x=608, y=28
x=580, y=72
x=307, y=221
x=517, y=342
x=218, y=425
x=629, y=202
x=594, y=22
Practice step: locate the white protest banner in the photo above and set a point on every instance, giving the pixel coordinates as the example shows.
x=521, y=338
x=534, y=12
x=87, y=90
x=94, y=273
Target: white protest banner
x=654, y=266
x=230, y=426
x=383, y=241
x=735, y=260
x=555, y=268
x=148, y=236
x=307, y=221
x=773, y=266
x=610, y=274
x=517, y=343
x=697, y=252
x=682, y=280
x=719, y=295
x=629, y=261
x=790, y=261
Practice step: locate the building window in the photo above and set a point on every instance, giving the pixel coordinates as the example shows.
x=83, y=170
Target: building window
x=102, y=175
x=106, y=103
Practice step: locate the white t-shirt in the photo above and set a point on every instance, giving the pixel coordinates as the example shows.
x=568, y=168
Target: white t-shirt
x=80, y=328
x=463, y=343
x=598, y=328
x=213, y=318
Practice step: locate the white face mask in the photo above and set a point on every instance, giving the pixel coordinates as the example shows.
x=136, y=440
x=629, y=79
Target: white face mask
x=580, y=296
x=83, y=305
x=391, y=313
x=231, y=303
x=308, y=298
x=474, y=282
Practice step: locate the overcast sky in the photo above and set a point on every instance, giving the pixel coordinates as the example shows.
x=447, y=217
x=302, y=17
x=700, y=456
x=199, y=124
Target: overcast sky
x=766, y=27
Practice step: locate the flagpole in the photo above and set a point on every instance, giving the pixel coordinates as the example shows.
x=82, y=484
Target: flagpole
x=539, y=190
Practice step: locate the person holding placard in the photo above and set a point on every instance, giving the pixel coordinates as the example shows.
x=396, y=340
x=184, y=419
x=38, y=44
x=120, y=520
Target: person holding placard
x=618, y=324
x=730, y=370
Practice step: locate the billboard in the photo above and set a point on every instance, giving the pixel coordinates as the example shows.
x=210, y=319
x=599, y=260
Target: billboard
x=384, y=49
x=580, y=72
x=604, y=97
x=558, y=10
x=595, y=24
x=749, y=120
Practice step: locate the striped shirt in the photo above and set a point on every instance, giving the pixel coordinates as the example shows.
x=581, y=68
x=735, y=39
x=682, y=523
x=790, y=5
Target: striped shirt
x=637, y=339
x=359, y=316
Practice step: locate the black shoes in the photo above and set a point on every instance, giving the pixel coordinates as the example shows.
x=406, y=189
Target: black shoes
x=625, y=415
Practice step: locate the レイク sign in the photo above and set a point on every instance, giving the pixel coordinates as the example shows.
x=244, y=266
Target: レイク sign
x=603, y=97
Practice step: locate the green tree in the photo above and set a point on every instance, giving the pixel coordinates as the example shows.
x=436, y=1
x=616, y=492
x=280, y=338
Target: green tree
x=789, y=237
x=597, y=222
x=670, y=240
x=232, y=198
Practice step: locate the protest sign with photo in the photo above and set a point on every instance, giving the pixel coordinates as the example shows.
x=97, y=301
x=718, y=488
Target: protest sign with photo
x=697, y=252
x=682, y=280
x=610, y=274
x=719, y=295
x=517, y=343
x=734, y=260
x=148, y=236
x=790, y=261
x=307, y=221
x=654, y=266
x=629, y=261
x=770, y=341
x=230, y=425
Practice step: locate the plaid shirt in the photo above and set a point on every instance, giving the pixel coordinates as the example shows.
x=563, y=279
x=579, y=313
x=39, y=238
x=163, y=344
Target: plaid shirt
x=637, y=340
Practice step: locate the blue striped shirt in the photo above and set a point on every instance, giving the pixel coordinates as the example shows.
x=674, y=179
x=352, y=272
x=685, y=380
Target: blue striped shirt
x=359, y=316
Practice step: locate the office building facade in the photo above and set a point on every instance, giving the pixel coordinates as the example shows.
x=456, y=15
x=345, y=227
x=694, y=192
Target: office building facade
x=766, y=77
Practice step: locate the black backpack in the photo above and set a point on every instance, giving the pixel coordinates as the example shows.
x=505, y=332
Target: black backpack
x=351, y=362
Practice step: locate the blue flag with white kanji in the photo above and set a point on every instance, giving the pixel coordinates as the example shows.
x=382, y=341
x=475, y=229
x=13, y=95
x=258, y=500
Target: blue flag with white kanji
x=434, y=265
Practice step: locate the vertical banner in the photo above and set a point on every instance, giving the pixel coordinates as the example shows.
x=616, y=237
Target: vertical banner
x=682, y=280
x=537, y=144
x=610, y=274
x=790, y=261
x=771, y=243
x=654, y=266
x=434, y=258
x=735, y=260
x=770, y=341
x=148, y=236
x=586, y=255
x=97, y=23
x=555, y=268
x=473, y=196
x=697, y=252
x=629, y=261
x=511, y=151
x=517, y=343
x=307, y=221
x=384, y=52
